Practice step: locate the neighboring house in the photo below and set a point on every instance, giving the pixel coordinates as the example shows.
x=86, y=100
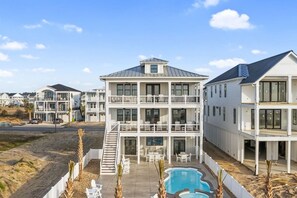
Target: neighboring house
x=17, y=99
x=4, y=100
x=251, y=109
x=94, y=102
x=158, y=108
x=66, y=99
x=30, y=96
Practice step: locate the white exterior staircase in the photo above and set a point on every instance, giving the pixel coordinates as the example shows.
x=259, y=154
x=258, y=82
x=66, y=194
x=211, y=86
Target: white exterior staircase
x=108, y=164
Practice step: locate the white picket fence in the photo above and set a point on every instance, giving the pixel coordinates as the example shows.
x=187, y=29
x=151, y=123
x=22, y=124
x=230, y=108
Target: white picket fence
x=59, y=188
x=236, y=188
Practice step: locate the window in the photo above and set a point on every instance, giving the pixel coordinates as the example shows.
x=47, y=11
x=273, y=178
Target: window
x=179, y=115
x=154, y=141
x=211, y=91
x=268, y=119
x=252, y=118
x=180, y=89
x=154, y=69
x=220, y=109
x=234, y=116
x=215, y=89
x=225, y=90
x=224, y=113
x=294, y=116
x=272, y=91
x=214, y=111
x=220, y=93
x=124, y=115
x=207, y=110
x=127, y=89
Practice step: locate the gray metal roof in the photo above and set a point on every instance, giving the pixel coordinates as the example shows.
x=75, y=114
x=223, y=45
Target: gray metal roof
x=138, y=71
x=153, y=60
x=60, y=87
x=251, y=72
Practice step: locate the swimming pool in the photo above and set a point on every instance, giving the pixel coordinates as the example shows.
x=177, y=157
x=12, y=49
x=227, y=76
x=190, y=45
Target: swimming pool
x=181, y=178
x=194, y=195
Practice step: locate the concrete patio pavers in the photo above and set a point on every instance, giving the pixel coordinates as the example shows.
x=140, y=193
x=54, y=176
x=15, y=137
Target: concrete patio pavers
x=143, y=179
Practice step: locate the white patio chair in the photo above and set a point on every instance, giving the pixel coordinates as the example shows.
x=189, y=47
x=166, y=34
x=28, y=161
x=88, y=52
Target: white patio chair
x=147, y=126
x=149, y=98
x=189, y=126
x=92, y=193
x=159, y=126
x=162, y=157
x=190, y=157
x=157, y=157
x=177, y=158
x=151, y=158
x=95, y=185
x=177, y=125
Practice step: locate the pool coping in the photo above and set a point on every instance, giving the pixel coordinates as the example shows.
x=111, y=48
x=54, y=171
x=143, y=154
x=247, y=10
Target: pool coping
x=176, y=195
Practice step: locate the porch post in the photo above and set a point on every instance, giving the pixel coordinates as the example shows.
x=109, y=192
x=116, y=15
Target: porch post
x=257, y=157
x=138, y=92
x=201, y=123
x=257, y=110
x=289, y=91
x=242, y=150
x=289, y=156
x=197, y=147
x=138, y=149
x=289, y=125
x=107, y=118
x=169, y=150
x=169, y=92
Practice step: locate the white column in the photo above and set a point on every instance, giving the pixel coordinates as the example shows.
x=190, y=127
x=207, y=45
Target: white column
x=242, y=150
x=201, y=123
x=289, y=156
x=138, y=120
x=138, y=150
x=289, y=90
x=289, y=125
x=138, y=92
x=257, y=157
x=197, y=147
x=169, y=92
x=257, y=131
x=169, y=150
x=107, y=117
x=169, y=119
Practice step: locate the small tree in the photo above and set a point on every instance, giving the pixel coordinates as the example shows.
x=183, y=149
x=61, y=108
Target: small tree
x=219, y=191
x=162, y=189
x=119, y=188
x=29, y=107
x=80, y=152
x=69, y=191
x=269, y=193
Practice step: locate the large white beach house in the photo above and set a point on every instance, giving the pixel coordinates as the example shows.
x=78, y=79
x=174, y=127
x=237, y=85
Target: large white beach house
x=152, y=107
x=251, y=108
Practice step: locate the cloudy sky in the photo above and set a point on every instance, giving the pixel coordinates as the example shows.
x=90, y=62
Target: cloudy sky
x=73, y=42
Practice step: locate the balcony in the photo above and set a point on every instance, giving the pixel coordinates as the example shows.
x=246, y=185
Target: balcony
x=91, y=99
x=92, y=109
x=186, y=99
x=153, y=99
x=160, y=128
x=122, y=99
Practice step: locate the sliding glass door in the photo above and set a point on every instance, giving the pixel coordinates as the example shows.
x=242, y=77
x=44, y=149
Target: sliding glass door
x=268, y=119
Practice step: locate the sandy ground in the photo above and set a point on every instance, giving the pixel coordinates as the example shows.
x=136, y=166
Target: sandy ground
x=31, y=169
x=254, y=184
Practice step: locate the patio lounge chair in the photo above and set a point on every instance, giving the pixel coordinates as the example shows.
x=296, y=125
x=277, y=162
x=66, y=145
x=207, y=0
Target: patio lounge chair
x=93, y=193
x=177, y=157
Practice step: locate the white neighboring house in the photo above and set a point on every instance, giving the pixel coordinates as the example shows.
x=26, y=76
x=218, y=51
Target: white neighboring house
x=252, y=108
x=66, y=99
x=158, y=108
x=94, y=105
x=17, y=99
x=4, y=100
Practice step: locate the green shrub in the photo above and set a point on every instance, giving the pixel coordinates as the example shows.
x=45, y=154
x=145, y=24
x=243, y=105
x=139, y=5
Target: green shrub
x=2, y=187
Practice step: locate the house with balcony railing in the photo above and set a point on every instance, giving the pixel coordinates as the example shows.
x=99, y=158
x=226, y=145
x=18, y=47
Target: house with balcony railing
x=57, y=101
x=156, y=108
x=251, y=108
x=94, y=102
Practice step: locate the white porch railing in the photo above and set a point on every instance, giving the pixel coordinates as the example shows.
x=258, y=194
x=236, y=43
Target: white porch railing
x=57, y=190
x=122, y=99
x=159, y=99
x=185, y=99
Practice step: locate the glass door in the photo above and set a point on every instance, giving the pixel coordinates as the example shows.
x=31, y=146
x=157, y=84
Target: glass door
x=130, y=146
x=152, y=115
x=179, y=146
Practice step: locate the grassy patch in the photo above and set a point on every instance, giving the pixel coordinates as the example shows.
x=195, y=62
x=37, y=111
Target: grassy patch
x=2, y=187
x=7, y=143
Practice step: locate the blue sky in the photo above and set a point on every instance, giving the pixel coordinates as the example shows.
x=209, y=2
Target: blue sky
x=74, y=42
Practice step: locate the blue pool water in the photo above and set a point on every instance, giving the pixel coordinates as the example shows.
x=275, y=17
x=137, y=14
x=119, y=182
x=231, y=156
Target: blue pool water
x=181, y=178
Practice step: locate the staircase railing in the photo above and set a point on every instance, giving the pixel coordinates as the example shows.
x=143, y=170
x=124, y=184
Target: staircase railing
x=104, y=143
x=118, y=155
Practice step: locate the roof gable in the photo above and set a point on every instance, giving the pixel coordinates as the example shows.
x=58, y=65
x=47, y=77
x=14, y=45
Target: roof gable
x=60, y=87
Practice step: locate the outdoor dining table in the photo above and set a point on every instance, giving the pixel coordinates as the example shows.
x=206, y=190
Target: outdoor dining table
x=183, y=156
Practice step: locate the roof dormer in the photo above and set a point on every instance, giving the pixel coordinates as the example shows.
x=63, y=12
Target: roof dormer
x=153, y=65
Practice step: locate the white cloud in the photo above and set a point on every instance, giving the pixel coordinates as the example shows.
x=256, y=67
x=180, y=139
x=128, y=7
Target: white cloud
x=224, y=63
x=202, y=70
x=230, y=19
x=87, y=70
x=5, y=73
x=3, y=37
x=29, y=56
x=256, y=52
x=3, y=57
x=178, y=58
x=43, y=70
x=142, y=57
x=14, y=45
x=205, y=3
x=39, y=46
x=34, y=26
x=71, y=28
x=45, y=21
